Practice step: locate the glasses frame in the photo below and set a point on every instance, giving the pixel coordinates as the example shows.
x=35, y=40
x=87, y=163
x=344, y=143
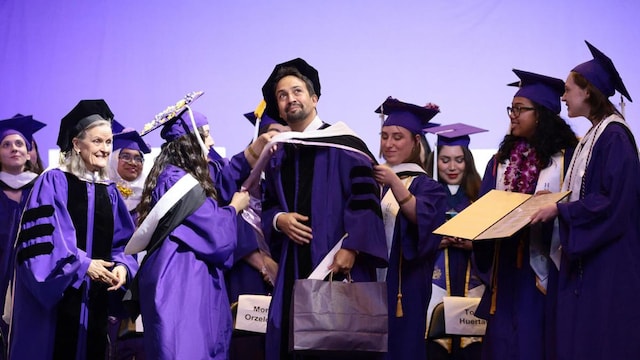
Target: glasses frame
x=137, y=160
x=517, y=110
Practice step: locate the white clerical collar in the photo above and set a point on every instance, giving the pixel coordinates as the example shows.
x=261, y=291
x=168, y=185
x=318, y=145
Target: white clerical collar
x=314, y=125
x=17, y=181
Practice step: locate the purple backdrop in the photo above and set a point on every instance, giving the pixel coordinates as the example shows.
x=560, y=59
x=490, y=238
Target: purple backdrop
x=142, y=56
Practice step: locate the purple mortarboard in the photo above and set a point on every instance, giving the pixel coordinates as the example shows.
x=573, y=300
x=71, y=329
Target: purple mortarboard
x=130, y=140
x=602, y=73
x=411, y=117
x=451, y=135
x=454, y=134
x=23, y=125
x=265, y=120
x=181, y=125
x=116, y=127
x=82, y=115
x=268, y=89
x=543, y=90
x=175, y=120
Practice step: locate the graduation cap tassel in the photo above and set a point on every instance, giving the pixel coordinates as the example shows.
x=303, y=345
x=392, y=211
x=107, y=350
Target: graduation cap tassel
x=258, y=114
x=399, y=312
x=622, y=105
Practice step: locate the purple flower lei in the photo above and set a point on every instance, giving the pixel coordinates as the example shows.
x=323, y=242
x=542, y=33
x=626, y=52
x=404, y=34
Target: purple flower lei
x=522, y=172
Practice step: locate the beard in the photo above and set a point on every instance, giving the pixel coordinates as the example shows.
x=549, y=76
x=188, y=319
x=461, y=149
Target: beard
x=298, y=116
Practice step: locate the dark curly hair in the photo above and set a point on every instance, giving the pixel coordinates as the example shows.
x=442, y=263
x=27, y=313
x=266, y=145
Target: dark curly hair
x=552, y=134
x=185, y=153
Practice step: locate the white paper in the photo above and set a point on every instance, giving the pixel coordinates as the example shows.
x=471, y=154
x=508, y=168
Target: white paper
x=322, y=270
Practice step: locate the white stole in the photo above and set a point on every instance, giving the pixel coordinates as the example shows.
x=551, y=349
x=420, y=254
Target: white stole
x=550, y=179
x=390, y=209
x=17, y=181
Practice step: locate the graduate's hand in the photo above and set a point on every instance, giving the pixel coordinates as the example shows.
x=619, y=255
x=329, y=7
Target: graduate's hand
x=545, y=213
x=343, y=261
x=384, y=175
x=446, y=241
x=119, y=272
x=240, y=201
x=99, y=271
x=291, y=224
x=464, y=244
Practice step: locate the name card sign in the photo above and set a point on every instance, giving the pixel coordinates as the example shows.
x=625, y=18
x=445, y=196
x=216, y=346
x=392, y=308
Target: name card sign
x=252, y=313
x=459, y=316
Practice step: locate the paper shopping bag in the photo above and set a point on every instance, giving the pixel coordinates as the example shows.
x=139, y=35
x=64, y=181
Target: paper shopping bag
x=338, y=316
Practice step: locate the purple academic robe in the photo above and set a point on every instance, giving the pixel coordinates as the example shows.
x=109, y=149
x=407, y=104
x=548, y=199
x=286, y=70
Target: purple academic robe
x=418, y=247
x=519, y=327
x=454, y=279
x=57, y=308
x=183, y=299
x=228, y=175
x=9, y=222
x=241, y=278
x=599, y=279
x=343, y=199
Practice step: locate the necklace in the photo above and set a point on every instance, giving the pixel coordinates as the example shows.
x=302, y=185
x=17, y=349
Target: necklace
x=522, y=171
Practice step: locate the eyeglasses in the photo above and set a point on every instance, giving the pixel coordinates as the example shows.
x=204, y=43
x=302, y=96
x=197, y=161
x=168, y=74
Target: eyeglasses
x=131, y=159
x=515, y=111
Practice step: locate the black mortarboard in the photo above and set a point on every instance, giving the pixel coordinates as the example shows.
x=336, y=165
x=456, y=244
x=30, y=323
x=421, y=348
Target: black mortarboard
x=81, y=116
x=268, y=89
x=602, y=73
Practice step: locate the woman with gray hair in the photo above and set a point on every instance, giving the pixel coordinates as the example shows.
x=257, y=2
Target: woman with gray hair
x=70, y=249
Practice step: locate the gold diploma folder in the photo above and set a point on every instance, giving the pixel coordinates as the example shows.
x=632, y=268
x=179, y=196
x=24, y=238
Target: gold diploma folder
x=498, y=214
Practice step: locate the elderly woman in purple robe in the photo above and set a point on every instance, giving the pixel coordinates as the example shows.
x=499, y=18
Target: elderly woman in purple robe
x=70, y=249
x=182, y=294
x=598, y=243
